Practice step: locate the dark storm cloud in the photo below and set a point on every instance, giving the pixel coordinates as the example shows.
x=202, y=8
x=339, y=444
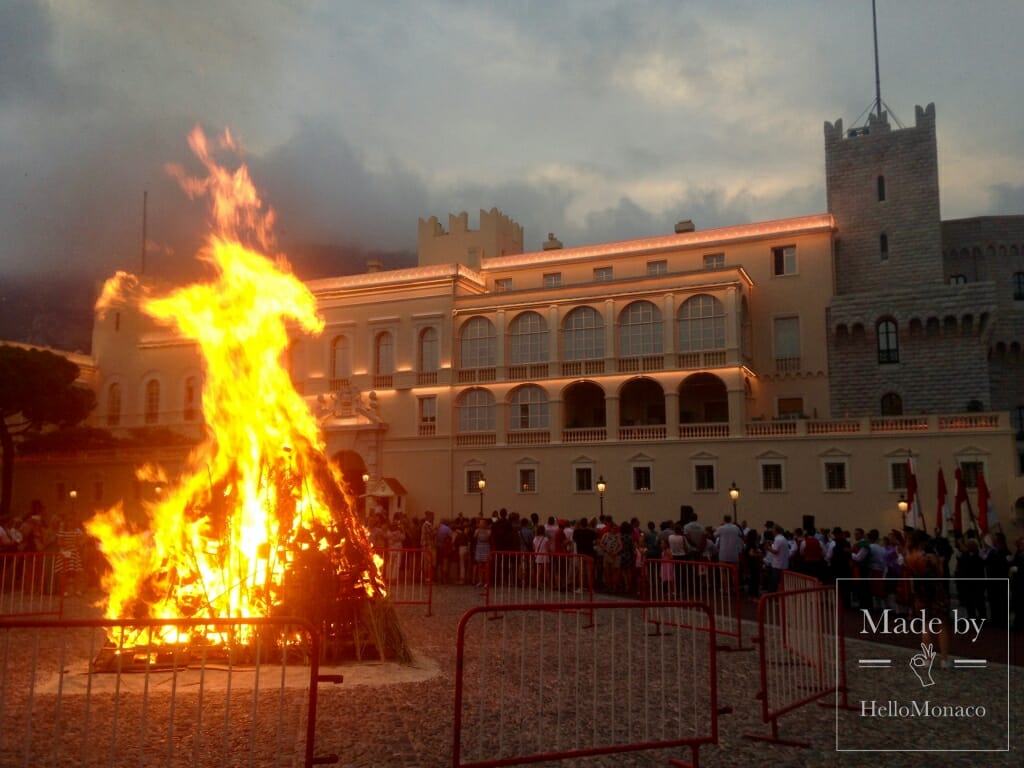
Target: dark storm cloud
x=597, y=120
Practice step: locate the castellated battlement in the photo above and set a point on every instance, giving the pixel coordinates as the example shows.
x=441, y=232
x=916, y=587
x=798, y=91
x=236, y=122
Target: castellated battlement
x=924, y=117
x=498, y=235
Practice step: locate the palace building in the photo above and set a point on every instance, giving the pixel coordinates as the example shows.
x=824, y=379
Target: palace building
x=801, y=362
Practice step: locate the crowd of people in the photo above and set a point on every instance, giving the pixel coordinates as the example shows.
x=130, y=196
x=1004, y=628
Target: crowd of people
x=629, y=556
x=75, y=561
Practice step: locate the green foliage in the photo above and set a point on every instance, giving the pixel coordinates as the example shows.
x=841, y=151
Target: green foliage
x=37, y=391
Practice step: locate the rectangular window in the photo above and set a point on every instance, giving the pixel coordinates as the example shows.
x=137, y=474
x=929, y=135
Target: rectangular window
x=428, y=410
x=835, y=476
x=714, y=260
x=553, y=280
x=473, y=478
x=642, y=478
x=503, y=284
x=1018, y=286
x=790, y=407
x=771, y=476
x=583, y=478
x=657, y=267
x=787, y=343
x=898, y=475
x=527, y=480
x=704, y=477
x=602, y=274
x=970, y=470
x=784, y=260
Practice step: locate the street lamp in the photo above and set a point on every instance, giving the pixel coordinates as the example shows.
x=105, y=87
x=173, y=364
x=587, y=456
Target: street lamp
x=734, y=494
x=902, y=505
x=74, y=495
x=481, y=484
x=601, y=486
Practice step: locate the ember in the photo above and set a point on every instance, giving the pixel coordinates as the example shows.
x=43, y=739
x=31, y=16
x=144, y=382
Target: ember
x=261, y=523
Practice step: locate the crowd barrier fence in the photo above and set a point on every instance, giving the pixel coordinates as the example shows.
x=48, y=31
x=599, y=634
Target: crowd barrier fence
x=801, y=653
x=702, y=581
x=409, y=582
x=31, y=584
x=537, y=683
x=521, y=577
x=181, y=692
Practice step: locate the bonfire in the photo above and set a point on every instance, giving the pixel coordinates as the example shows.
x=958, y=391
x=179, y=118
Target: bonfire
x=260, y=523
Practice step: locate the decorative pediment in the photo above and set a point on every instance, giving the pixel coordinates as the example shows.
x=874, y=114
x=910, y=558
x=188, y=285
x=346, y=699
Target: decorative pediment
x=703, y=455
x=770, y=455
x=640, y=457
x=835, y=453
x=901, y=453
x=971, y=452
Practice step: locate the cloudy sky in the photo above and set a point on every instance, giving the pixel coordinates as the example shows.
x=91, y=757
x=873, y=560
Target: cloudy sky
x=592, y=119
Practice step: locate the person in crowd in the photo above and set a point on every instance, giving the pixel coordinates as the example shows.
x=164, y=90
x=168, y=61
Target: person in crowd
x=584, y=538
x=729, y=539
x=928, y=590
x=541, y=558
x=970, y=569
x=1016, y=571
x=780, y=553
x=69, y=538
x=481, y=550
x=753, y=556
x=428, y=543
x=997, y=569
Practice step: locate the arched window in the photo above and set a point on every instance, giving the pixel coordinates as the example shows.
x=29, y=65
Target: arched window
x=583, y=335
x=476, y=411
x=341, y=358
x=383, y=355
x=701, y=324
x=528, y=408
x=528, y=339
x=152, y=407
x=478, y=348
x=114, y=405
x=881, y=189
x=888, y=342
x=191, y=398
x=892, y=404
x=640, y=330
x=428, y=358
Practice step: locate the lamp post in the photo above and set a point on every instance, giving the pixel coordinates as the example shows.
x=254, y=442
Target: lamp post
x=481, y=484
x=734, y=494
x=901, y=505
x=601, y=486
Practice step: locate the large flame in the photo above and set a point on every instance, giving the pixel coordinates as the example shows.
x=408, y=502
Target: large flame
x=259, y=505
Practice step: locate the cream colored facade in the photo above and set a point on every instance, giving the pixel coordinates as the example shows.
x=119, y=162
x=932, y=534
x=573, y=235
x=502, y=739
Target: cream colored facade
x=671, y=367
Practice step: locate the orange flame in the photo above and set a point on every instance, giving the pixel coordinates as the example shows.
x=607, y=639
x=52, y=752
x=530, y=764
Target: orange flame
x=259, y=496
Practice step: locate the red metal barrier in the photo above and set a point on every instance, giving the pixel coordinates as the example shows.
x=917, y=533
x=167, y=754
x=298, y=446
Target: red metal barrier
x=410, y=580
x=801, y=653
x=526, y=577
x=101, y=693
x=31, y=585
x=537, y=682
x=716, y=584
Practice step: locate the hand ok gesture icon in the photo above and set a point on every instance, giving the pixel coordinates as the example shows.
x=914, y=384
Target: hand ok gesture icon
x=921, y=664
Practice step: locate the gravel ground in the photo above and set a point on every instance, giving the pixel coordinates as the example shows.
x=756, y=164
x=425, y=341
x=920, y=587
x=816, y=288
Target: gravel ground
x=385, y=714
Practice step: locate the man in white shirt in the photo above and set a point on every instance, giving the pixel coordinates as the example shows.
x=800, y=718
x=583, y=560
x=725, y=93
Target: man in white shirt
x=780, y=557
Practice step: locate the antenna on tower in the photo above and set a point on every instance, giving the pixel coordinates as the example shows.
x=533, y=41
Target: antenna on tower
x=878, y=79
x=145, y=195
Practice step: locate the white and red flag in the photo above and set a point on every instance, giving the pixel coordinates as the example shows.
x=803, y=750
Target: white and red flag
x=943, y=513
x=914, y=517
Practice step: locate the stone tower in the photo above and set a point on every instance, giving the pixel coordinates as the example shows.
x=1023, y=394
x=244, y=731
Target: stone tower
x=895, y=322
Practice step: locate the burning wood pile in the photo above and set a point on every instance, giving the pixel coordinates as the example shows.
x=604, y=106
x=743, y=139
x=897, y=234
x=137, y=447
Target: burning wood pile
x=260, y=523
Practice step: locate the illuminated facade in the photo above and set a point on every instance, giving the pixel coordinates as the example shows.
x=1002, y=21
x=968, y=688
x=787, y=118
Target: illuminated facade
x=803, y=360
